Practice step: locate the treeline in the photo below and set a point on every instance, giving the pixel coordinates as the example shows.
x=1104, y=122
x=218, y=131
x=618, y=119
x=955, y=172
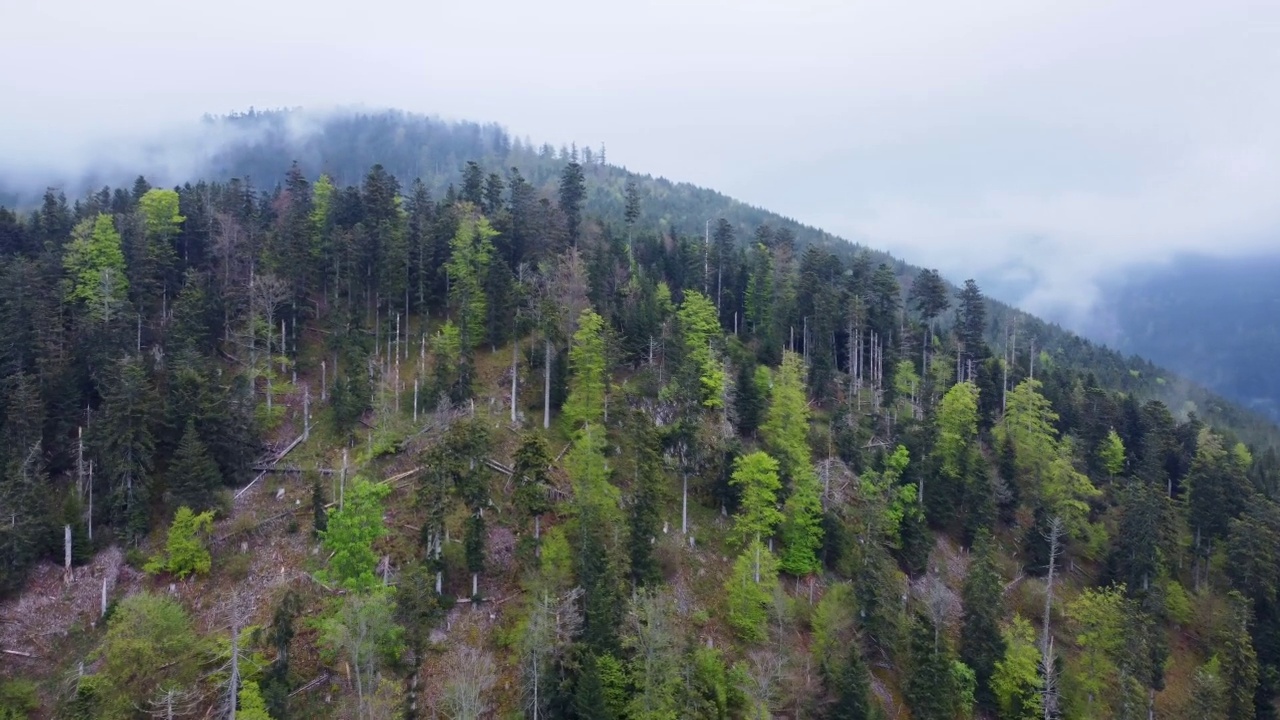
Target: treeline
x=841, y=415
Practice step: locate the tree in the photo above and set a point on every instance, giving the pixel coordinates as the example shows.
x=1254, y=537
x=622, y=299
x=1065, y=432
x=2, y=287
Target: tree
x=95, y=267
x=1098, y=617
x=756, y=474
x=417, y=610
x=472, y=251
x=700, y=376
x=786, y=424
x=350, y=535
x=587, y=363
x=749, y=591
x=193, y=475
x=971, y=321
x=365, y=633
x=982, y=644
x=1239, y=660
x=853, y=697
x=652, y=639
x=1111, y=453
x=469, y=684
x=150, y=644
x=531, y=471
x=1208, y=696
x=573, y=190
x=631, y=209
x=185, y=553
x=1016, y=682
x=1042, y=460
x=930, y=688
x=646, y=499
x=929, y=295
x=250, y=704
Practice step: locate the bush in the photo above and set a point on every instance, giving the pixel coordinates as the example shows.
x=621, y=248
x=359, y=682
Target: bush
x=237, y=566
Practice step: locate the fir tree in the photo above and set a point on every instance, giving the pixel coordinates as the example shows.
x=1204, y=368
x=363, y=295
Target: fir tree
x=193, y=476
x=981, y=644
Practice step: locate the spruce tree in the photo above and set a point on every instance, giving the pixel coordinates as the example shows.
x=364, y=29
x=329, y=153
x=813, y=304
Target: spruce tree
x=193, y=476
x=853, y=698
x=981, y=644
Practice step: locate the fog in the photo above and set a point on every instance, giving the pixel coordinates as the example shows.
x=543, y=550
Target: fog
x=1042, y=148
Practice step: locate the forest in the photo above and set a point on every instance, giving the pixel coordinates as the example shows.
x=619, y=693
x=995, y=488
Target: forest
x=615, y=447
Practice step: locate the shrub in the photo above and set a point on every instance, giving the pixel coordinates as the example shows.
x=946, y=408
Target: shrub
x=184, y=552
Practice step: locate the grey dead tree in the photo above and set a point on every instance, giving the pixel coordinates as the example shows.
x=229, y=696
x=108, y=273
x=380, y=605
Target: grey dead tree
x=467, y=689
x=554, y=620
x=173, y=703
x=1048, y=671
x=238, y=612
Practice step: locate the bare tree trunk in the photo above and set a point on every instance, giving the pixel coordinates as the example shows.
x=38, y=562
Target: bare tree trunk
x=1054, y=537
x=546, y=386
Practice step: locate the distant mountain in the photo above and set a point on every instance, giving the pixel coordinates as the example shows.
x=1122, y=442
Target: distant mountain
x=1214, y=319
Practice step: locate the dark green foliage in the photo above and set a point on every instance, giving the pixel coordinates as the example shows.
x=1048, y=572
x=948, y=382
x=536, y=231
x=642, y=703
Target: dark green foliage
x=193, y=476
x=981, y=644
x=852, y=689
x=276, y=683
x=573, y=190
x=930, y=688
x=644, y=519
x=319, y=515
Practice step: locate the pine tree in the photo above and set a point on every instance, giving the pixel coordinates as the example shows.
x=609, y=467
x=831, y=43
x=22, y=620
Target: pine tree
x=930, y=687
x=1239, y=661
x=981, y=643
x=193, y=476
x=854, y=700
x=646, y=501
x=573, y=190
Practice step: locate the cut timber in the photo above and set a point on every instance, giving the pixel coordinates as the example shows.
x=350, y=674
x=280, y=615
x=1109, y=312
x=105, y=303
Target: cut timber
x=271, y=463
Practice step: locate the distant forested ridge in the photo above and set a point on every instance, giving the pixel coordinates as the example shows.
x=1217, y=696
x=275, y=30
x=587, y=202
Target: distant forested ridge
x=391, y=417
x=1213, y=319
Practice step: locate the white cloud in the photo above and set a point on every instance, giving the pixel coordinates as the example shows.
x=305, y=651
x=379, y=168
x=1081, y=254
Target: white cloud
x=1058, y=141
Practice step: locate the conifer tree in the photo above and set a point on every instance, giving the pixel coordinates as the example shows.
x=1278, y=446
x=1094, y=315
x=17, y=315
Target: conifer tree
x=930, y=687
x=531, y=471
x=573, y=190
x=854, y=700
x=981, y=643
x=193, y=476
x=1239, y=660
x=786, y=431
x=587, y=364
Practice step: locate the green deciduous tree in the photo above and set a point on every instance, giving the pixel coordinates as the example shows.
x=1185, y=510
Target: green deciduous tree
x=756, y=476
x=94, y=261
x=748, y=592
x=150, y=646
x=700, y=377
x=351, y=533
x=1016, y=681
x=588, y=379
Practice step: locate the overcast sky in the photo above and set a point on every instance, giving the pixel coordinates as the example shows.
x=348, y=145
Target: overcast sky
x=1034, y=145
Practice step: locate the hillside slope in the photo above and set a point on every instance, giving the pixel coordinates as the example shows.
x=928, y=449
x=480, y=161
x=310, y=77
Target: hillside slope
x=525, y=444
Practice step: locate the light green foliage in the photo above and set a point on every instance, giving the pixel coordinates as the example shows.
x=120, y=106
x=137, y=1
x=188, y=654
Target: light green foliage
x=184, y=550
x=699, y=327
x=1043, y=461
x=557, y=560
x=160, y=213
x=1098, y=618
x=966, y=688
x=590, y=473
x=321, y=202
x=833, y=628
x=472, y=249
x=1208, y=694
x=18, y=699
x=150, y=646
x=757, y=476
x=748, y=600
x=587, y=364
x=1111, y=453
x=802, y=525
x=906, y=383
x=1016, y=681
x=786, y=424
x=1242, y=457
x=363, y=633
x=95, y=267
x=957, y=427
x=652, y=640
x=350, y=536
x=896, y=501
x=251, y=705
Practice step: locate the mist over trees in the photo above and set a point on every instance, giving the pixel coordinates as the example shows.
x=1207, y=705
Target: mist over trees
x=553, y=440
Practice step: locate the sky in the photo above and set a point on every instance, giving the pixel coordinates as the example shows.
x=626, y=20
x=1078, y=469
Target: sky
x=1040, y=147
